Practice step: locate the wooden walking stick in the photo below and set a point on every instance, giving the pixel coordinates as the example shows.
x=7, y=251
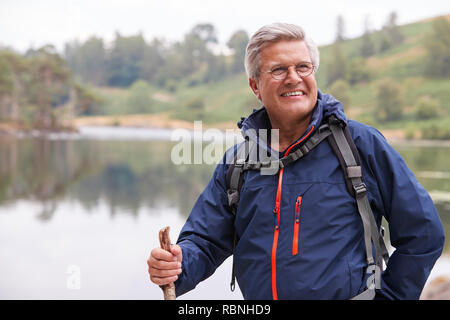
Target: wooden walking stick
x=164, y=240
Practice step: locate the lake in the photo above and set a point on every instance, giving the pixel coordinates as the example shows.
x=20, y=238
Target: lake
x=80, y=213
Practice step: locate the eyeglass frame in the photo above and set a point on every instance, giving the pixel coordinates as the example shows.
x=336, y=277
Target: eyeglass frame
x=287, y=70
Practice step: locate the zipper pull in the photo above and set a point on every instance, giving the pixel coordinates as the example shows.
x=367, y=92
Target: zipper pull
x=297, y=209
x=275, y=216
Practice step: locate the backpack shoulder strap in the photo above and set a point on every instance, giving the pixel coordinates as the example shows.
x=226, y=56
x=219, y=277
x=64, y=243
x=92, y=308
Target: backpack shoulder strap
x=235, y=175
x=234, y=182
x=345, y=149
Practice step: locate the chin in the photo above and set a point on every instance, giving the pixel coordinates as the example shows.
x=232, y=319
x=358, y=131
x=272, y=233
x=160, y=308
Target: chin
x=299, y=109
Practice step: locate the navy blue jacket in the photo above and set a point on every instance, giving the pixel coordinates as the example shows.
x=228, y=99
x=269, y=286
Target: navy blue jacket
x=312, y=247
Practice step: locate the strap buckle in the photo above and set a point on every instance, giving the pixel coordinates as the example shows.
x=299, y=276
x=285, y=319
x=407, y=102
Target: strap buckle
x=233, y=199
x=360, y=188
x=305, y=149
x=324, y=127
x=239, y=163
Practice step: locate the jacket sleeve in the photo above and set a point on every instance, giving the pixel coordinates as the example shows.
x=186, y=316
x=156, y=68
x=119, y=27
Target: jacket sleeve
x=206, y=239
x=415, y=229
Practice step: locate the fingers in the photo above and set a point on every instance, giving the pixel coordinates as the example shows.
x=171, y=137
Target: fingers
x=176, y=251
x=164, y=267
x=160, y=277
x=163, y=281
x=161, y=254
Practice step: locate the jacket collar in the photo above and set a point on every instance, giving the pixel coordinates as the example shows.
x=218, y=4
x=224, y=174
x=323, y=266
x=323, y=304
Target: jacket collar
x=326, y=106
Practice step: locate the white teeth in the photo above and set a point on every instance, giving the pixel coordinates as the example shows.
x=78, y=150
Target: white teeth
x=295, y=93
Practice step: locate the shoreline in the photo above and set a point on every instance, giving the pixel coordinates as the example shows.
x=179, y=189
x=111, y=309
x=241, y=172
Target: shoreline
x=163, y=121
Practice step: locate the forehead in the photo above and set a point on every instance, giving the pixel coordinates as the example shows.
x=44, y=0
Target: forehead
x=284, y=52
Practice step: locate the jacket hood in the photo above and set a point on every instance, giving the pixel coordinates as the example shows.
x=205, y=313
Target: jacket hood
x=326, y=106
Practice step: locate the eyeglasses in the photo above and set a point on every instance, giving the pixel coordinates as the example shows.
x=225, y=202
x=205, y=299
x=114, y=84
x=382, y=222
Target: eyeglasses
x=303, y=70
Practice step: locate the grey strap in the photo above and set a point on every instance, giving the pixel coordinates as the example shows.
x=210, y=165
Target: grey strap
x=233, y=192
x=363, y=209
x=321, y=134
x=343, y=145
x=367, y=294
x=313, y=141
x=354, y=172
x=370, y=226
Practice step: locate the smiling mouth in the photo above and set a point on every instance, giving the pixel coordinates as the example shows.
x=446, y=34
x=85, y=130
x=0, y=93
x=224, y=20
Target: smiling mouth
x=293, y=93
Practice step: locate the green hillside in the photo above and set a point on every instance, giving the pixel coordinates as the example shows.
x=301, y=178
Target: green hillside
x=422, y=100
x=394, y=78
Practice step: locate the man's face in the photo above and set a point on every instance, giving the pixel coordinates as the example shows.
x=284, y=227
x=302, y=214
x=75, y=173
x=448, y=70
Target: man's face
x=274, y=93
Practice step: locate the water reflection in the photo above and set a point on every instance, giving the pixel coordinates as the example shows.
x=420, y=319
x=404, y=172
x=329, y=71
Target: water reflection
x=98, y=204
x=430, y=165
x=126, y=175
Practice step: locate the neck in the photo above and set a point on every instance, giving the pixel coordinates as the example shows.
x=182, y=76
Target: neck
x=289, y=131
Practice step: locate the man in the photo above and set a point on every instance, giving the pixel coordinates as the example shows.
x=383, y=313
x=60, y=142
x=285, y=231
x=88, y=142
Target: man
x=299, y=232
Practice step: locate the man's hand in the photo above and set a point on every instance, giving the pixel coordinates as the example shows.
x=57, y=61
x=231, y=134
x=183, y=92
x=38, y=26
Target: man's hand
x=163, y=266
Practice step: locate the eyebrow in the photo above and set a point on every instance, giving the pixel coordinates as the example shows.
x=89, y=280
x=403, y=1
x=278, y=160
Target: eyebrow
x=283, y=65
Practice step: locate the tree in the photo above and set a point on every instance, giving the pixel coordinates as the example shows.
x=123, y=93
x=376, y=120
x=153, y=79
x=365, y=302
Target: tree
x=385, y=42
x=340, y=89
x=47, y=85
x=125, y=59
x=12, y=68
x=238, y=43
x=216, y=68
x=388, y=102
x=139, y=100
x=392, y=29
x=88, y=60
x=340, y=29
x=390, y=34
x=152, y=61
x=37, y=90
x=357, y=71
x=6, y=83
x=206, y=32
x=337, y=67
x=195, y=108
x=367, y=46
x=194, y=56
x=175, y=66
x=437, y=45
x=427, y=108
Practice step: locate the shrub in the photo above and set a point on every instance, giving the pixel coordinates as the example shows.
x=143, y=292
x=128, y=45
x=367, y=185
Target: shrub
x=439, y=131
x=388, y=102
x=339, y=89
x=427, y=108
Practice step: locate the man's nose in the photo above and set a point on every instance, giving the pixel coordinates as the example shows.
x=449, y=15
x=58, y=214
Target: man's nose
x=292, y=76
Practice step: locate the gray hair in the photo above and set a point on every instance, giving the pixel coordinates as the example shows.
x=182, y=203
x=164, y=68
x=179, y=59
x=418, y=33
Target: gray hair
x=273, y=33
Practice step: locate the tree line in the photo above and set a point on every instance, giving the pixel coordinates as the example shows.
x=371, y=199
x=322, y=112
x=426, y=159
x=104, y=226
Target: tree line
x=45, y=89
x=157, y=62
x=37, y=90
x=346, y=69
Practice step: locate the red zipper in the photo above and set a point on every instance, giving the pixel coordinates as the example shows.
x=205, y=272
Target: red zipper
x=276, y=211
x=298, y=204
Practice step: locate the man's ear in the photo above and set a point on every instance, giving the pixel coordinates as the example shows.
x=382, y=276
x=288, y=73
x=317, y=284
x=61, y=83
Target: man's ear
x=253, y=83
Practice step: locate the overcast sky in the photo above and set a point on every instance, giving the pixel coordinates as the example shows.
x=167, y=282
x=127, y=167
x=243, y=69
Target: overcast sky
x=27, y=23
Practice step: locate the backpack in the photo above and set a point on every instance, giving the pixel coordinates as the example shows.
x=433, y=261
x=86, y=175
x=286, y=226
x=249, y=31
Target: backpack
x=338, y=136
